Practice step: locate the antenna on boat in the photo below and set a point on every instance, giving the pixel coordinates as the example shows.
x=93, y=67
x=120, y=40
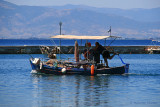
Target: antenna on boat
x=60, y=24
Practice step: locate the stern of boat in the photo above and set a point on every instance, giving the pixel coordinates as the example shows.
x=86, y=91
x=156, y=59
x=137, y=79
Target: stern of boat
x=127, y=68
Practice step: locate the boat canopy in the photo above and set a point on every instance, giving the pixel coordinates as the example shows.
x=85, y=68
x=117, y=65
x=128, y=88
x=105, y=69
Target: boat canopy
x=82, y=37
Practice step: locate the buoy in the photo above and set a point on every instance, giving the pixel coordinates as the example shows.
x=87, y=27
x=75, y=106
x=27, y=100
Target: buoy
x=92, y=70
x=63, y=70
x=41, y=65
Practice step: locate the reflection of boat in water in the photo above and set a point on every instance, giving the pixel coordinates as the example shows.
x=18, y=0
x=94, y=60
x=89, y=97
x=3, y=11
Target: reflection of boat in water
x=80, y=66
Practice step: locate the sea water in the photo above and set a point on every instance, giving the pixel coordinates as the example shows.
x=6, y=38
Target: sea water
x=20, y=88
x=69, y=42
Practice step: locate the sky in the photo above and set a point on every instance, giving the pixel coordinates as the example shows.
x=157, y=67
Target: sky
x=123, y=4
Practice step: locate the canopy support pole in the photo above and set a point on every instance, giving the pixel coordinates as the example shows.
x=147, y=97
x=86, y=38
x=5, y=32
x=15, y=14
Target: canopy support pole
x=60, y=49
x=80, y=49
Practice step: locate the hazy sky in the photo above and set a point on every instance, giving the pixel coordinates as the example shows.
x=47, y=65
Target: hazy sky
x=123, y=4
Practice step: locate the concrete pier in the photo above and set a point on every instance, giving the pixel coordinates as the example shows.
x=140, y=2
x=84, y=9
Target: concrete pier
x=70, y=49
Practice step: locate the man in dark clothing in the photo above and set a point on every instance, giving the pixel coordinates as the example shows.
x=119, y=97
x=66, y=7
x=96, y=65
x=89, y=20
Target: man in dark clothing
x=104, y=52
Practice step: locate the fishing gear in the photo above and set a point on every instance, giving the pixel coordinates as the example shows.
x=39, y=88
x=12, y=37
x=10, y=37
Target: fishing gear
x=121, y=60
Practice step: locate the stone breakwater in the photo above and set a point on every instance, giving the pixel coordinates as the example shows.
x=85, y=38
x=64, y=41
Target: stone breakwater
x=70, y=49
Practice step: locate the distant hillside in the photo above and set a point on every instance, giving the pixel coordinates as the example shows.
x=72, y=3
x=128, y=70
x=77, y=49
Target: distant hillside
x=42, y=22
x=144, y=15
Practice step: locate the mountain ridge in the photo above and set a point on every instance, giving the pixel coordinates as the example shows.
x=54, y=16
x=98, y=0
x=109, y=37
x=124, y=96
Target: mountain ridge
x=43, y=22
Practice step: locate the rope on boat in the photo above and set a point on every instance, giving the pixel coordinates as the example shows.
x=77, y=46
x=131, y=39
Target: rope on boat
x=31, y=56
x=59, y=49
x=121, y=60
x=113, y=49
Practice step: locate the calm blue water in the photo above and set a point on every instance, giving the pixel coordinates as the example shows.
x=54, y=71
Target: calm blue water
x=51, y=42
x=141, y=88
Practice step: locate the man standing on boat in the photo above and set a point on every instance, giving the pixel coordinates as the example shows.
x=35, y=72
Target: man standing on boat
x=99, y=49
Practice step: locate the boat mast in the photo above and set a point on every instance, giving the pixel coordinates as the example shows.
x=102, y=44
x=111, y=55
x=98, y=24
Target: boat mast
x=60, y=24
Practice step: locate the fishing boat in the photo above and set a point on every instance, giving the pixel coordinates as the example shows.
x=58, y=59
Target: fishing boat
x=78, y=65
x=155, y=50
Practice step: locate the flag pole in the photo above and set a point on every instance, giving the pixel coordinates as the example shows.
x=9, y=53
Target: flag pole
x=110, y=30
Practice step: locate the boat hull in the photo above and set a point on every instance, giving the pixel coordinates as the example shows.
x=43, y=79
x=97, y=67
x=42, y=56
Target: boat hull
x=46, y=69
